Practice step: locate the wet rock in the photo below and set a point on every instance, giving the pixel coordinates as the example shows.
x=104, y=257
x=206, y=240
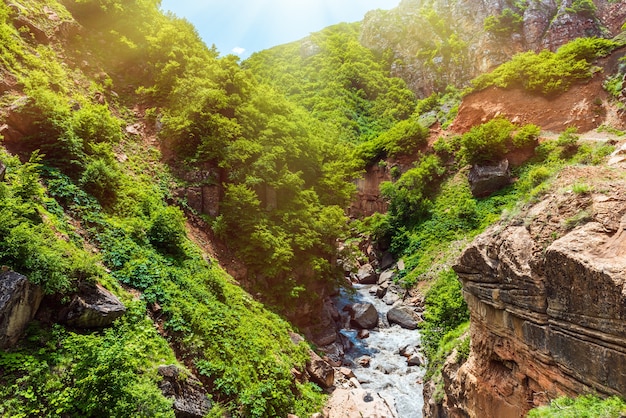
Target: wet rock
x=190, y=397
x=93, y=307
x=386, y=276
x=381, y=290
x=364, y=361
x=367, y=275
x=415, y=360
x=364, y=315
x=403, y=316
x=407, y=350
x=391, y=298
x=486, y=179
x=19, y=301
x=363, y=334
x=320, y=371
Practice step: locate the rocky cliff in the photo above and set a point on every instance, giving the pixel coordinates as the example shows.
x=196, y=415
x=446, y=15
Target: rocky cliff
x=547, y=295
x=434, y=44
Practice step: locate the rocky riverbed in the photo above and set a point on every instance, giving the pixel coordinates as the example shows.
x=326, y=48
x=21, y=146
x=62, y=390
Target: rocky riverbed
x=379, y=367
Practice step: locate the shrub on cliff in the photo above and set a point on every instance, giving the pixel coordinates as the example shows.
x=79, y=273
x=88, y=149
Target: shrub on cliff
x=548, y=72
x=445, y=310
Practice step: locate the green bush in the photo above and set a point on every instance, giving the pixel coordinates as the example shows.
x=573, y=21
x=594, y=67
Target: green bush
x=405, y=137
x=487, y=142
x=445, y=310
x=527, y=136
x=101, y=179
x=505, y=23
x=583, y=7
x=409, y=197
x=547, y=72
x=167, y=232
x=55, y=372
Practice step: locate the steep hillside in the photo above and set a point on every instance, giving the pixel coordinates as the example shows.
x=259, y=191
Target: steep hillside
x=436, y=44
x=102, y=105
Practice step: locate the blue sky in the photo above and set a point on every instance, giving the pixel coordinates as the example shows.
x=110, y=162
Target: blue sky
x=242, y=27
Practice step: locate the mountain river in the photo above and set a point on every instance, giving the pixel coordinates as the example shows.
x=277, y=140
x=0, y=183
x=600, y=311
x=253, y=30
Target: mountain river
x=388, y=372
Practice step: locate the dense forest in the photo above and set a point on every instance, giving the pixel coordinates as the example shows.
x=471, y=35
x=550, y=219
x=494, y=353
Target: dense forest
x=113, y=107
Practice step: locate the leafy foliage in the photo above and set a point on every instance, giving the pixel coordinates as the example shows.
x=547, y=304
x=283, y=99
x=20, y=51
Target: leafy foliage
x=55, y=372
x=505, y=23
x=445, y=311
x=548, y=72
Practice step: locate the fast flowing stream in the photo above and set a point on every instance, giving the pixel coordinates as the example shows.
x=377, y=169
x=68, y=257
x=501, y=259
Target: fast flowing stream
x=388, y=372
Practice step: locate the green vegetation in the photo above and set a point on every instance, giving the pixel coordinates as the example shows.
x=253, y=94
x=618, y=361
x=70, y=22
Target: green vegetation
x=505, y=23
x=280, y=137
x=548, y=72
x=490, y=141
x=90, y=205
x=56, y=372
x=445, y=312
x=339, y=81
x=587, y=406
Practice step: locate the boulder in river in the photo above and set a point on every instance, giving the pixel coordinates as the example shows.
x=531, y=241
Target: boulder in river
x=415, y=360
x=403, y=316
x=381, y=290
x=367, y=275
x=386, y=276
x=364, y=315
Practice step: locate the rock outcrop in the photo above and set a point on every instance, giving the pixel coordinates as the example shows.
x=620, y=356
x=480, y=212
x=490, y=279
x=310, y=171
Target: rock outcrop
x=19, y=301
x=487, y=179
x=359, y=403
x=320, y=371
x=547, y=298
x=93, y=307
x=435, y=44
x=190, y=397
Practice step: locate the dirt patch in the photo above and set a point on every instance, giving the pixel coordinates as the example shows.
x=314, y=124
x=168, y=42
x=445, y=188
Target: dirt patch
x=581, y=107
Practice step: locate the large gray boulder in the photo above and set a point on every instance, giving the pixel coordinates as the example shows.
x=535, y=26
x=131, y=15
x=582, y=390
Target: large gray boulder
x=190, y=397
x=94, y=307
x=367, y=275
x=487, y=179
x=364, y=315
x=403, y=316
x=19, y=301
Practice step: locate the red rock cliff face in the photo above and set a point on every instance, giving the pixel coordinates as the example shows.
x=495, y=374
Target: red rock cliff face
x=368, y=200
x=547, y=296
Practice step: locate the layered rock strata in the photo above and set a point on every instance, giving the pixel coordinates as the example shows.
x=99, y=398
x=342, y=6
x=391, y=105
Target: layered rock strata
x=547, y=297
